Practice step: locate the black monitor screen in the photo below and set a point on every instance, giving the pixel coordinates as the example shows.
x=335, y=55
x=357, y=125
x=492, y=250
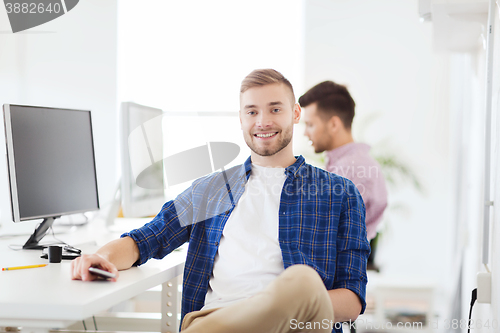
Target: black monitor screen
x=51, y=161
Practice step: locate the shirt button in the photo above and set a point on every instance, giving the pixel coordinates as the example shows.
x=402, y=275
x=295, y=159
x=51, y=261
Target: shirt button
x=283, y=213
x=216, y=243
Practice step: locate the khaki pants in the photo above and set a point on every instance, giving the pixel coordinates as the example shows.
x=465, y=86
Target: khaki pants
x=296, y=301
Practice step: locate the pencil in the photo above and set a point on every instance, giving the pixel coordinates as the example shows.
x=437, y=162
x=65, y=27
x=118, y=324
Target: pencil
x=23, y=267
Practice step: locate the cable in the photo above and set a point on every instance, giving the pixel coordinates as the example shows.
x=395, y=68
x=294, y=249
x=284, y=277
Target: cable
x=472, y=301
x=57, y=239
x=18, y=247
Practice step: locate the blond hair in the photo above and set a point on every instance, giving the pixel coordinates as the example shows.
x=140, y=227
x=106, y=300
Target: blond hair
x=263, y=77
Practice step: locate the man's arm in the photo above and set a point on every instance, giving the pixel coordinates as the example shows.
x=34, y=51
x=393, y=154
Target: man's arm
x=349, y=288
x=117, y=255
x=346, y=304
x=155, y=239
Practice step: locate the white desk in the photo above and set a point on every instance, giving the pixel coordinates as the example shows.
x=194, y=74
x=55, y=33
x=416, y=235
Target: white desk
x=39, y=299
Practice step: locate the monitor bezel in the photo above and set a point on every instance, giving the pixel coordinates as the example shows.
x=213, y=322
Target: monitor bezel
x=12, y=170
x=132, y=207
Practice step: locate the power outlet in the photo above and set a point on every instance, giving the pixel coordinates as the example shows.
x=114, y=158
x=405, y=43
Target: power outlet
x=484, y=287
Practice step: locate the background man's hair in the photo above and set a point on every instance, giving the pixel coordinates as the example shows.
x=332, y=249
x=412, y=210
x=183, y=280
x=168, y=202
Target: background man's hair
x=263, y=77
x=331, y=99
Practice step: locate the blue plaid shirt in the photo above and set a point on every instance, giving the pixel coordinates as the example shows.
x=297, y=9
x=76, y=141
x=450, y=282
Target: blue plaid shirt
x=321, y=224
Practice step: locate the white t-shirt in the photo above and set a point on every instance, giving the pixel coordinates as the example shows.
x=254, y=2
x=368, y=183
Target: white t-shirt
x=249, y=256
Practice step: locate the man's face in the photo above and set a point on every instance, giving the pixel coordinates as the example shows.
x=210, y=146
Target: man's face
x=317, y=129
x=267, y=117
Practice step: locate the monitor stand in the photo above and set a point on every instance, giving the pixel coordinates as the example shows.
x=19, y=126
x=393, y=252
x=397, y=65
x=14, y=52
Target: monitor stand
x=40, y=231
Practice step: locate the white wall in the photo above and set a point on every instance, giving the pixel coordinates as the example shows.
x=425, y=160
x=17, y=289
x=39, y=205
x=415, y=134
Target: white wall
x=470, y=206
x=68, y=62
x=193, y=55
x=381, y=51
x=467, y=108
x=493, y=312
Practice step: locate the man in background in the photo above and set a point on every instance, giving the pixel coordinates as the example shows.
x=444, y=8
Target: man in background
x=328, y=113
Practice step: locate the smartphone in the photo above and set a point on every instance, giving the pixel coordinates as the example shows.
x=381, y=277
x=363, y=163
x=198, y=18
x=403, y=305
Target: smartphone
x=101, y=273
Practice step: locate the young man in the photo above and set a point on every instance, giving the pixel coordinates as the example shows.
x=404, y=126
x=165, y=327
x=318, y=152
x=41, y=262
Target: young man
x=328, y=114
x=275, y=245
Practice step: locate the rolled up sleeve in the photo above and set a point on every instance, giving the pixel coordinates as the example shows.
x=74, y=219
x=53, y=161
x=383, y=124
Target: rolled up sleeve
x=353, y=247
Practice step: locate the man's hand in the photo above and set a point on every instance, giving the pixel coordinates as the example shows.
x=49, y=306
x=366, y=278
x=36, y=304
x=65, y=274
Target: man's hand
x=80, y=267
x=117, y=255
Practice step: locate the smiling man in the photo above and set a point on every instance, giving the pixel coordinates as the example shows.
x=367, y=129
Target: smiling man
x=280, y=246
x=267, y=116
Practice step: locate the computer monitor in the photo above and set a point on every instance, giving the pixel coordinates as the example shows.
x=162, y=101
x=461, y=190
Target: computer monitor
x=51, y=165
x=141, y=145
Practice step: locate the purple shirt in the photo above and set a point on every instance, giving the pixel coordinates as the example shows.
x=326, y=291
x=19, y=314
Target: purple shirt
x=354, y=162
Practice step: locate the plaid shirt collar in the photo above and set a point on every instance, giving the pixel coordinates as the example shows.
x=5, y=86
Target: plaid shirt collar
x=291, y=170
